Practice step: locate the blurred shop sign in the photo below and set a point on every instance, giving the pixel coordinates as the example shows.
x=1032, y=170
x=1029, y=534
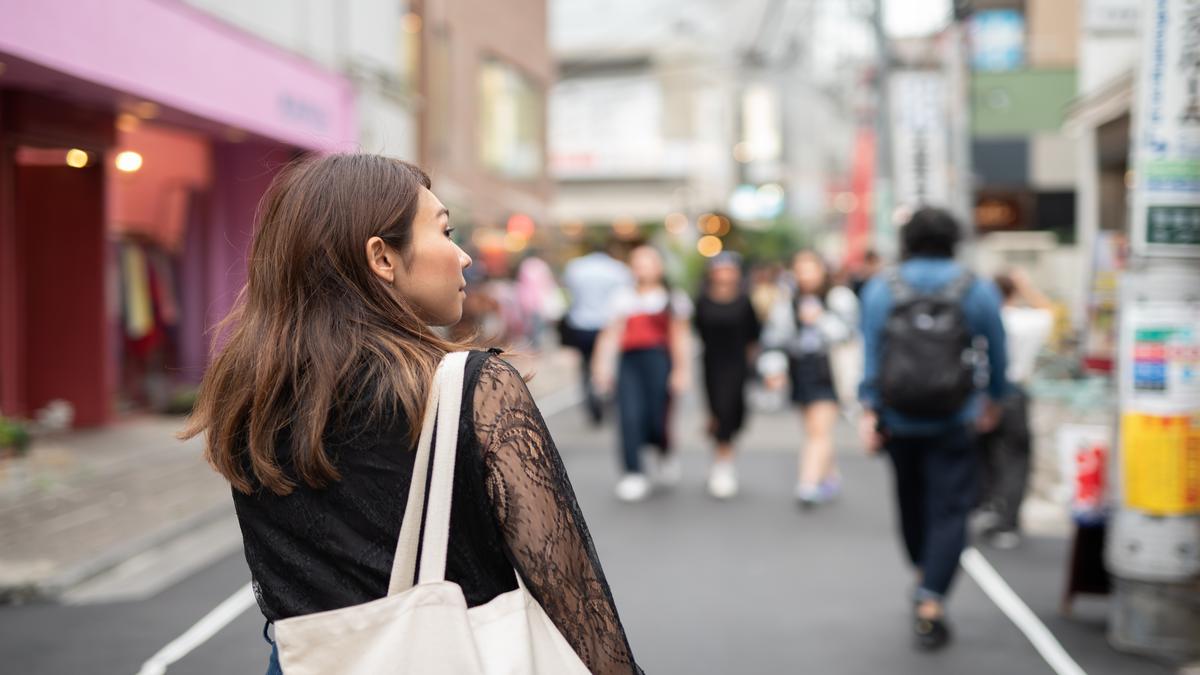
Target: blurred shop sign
x=1166, y=140
x=996, y=212
x=611, y=127
x=920, y=147
x=304, y=112
x=1111, y=16
x=1083, y=451
x=997, y=40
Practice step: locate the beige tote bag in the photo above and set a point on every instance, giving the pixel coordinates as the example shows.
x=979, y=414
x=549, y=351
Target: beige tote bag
x=427, y=628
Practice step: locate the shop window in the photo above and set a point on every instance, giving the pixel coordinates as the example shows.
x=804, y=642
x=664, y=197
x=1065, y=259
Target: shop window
x=510, y=121
x=1056, y=213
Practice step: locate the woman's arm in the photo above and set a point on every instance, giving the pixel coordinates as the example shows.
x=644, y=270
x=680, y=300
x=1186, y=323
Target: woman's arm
x=681, y=355
x=604, y=356
x=544, y=531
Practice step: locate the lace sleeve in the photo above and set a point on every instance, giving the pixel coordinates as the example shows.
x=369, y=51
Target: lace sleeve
x=544, y=531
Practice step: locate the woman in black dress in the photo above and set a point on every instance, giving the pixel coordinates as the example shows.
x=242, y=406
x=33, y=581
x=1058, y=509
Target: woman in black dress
x=313, y=406
x=728, y=328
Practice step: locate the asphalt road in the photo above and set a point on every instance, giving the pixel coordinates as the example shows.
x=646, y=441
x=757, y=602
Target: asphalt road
x=749, y=586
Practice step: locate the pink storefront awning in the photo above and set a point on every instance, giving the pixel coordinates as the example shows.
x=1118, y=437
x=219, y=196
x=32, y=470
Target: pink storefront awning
x=181, y=58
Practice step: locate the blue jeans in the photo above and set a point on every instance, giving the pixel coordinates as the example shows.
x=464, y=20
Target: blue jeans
x=273, y=665
x=935, y=489
x=642, y=403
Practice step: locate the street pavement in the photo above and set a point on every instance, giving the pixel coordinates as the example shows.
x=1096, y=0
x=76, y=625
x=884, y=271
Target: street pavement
x=750, y=586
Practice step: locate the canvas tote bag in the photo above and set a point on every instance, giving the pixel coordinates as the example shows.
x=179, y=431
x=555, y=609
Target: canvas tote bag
x=427, y=628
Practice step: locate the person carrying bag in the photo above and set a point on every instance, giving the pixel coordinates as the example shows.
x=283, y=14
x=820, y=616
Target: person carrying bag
x=331, y=398
x=427, y=627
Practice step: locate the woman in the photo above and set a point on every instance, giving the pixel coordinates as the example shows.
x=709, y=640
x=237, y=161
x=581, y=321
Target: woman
x=311, y=411
x=806, y=324
x=650, y=334
x=728, y=327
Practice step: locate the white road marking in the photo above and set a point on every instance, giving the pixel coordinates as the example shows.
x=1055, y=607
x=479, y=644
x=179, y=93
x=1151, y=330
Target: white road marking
x=1018, y=612
x=205, y=628
x=243, y=599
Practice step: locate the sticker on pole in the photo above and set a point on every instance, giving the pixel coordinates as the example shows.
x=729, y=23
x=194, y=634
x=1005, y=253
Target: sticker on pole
x=1161, y=463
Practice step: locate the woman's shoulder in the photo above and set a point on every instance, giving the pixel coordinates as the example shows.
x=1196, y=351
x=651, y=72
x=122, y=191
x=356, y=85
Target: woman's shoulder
x=490, y=376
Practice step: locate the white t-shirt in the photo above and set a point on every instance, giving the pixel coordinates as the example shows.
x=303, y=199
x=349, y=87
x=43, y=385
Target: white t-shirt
x=628, y=302
x=1026, y=330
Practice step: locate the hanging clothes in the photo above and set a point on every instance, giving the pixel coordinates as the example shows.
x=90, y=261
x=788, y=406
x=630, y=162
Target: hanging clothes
x=138, y=305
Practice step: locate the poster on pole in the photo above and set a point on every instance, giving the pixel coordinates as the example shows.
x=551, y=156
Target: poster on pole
x=1163, y=371
x=1160, y=388
x=920, y=138
x=1166, y=136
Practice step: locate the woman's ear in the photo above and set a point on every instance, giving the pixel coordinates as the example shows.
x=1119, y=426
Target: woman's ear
x=382, y=260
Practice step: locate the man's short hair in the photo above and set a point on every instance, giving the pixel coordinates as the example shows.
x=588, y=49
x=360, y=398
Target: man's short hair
x=1006, y=285
x=930, y=233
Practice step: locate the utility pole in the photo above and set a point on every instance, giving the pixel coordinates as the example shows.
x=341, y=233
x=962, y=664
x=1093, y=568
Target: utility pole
x=1153, y=547
x=881, y=195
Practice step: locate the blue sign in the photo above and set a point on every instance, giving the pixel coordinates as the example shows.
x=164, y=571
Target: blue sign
x=997, y=40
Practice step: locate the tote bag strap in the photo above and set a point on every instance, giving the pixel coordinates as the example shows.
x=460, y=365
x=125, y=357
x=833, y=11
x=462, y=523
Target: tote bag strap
x=442, y=406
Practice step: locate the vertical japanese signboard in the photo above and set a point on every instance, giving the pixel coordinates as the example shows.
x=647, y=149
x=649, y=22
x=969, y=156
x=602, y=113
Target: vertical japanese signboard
x=1166, y=139
x=920, y=138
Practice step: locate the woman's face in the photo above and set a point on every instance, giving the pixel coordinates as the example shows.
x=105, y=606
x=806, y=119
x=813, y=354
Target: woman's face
x=646, y=264
x=725, y=276
x=430, y=277
x=810, y=273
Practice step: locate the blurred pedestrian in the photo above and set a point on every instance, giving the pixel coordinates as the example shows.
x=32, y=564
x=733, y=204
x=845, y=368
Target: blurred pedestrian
x=870, y=266
x=921, y=402
x=648, y=342
x=728, y=328
x=806, y=324
x=591, y=282
x=312, y=410
x=1005, y=451
x=765, y=288
x=539, y=297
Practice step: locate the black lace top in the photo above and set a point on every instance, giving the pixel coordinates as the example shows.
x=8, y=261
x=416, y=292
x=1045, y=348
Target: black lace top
x=322, y=549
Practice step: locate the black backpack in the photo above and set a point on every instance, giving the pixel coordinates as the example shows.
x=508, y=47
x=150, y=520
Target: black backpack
x=928, y=367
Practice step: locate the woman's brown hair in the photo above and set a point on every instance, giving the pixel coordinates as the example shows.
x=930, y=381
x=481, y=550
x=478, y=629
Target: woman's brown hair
x=313, y=323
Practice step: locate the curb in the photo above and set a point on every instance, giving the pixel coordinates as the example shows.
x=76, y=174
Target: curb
x=50, y=588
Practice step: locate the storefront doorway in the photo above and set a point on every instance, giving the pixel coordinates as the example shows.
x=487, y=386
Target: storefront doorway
x=59, y=221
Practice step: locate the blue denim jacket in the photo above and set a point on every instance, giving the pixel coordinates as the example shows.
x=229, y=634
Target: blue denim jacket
x=981, y=305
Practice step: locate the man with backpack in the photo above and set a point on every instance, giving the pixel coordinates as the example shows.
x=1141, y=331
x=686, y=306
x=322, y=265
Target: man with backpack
x=924, y=325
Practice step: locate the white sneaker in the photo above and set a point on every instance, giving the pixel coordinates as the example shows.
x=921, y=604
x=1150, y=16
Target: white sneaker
x=633, y=487
x=670, y=471
x=722, y=480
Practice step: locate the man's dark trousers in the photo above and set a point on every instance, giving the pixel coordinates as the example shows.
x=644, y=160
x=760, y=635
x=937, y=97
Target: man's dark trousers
x=935, y=488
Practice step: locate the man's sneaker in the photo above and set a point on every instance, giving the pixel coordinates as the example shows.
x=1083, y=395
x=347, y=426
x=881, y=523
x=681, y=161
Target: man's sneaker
x=633, y=487
x=722, y=480
x=1005, y=540
x=670, y=471
x=984, y=521
x=930, y=634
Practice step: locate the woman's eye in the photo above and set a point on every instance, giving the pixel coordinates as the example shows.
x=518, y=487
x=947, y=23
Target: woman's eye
x=450, y=232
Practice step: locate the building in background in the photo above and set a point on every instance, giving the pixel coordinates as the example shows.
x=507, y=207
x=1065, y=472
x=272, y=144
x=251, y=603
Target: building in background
x=1023, y=56
x=704, y=118
x=166, y=124
x=1099, y=118
x=131, y=162
x=485, y=71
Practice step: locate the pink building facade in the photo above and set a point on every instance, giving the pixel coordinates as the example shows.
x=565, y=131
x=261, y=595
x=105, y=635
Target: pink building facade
x=136, y=138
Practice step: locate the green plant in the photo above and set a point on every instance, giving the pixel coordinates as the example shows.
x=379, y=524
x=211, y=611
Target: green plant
x=182, y=402
x=14, y=435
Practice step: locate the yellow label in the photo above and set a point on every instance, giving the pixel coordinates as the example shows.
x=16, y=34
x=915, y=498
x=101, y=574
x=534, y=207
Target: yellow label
x=1160, y=457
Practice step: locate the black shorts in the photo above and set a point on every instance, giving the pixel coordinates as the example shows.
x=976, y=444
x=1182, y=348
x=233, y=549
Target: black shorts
x=812, y=379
